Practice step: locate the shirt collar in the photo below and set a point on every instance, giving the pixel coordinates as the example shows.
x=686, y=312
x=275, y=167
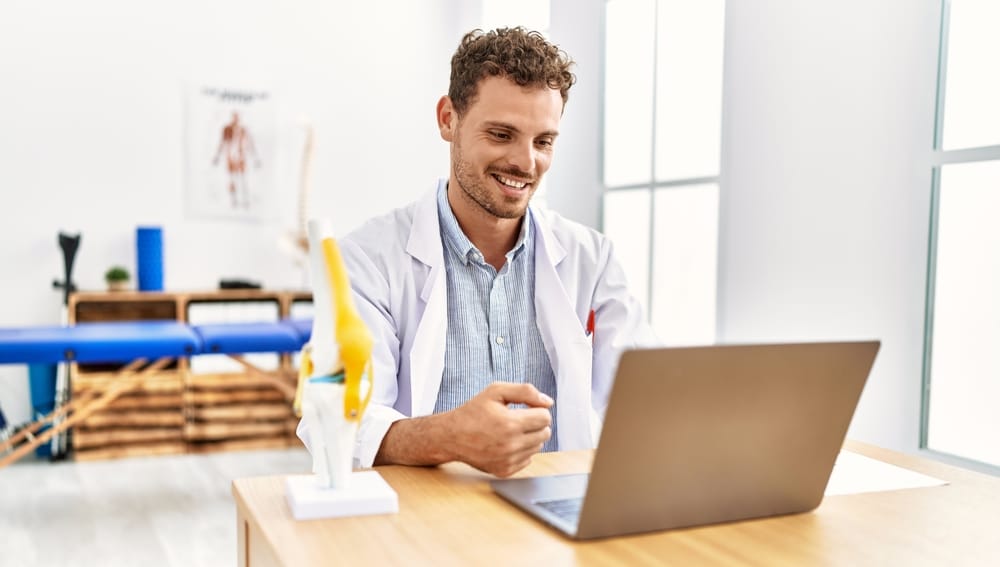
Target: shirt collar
x=460, y=245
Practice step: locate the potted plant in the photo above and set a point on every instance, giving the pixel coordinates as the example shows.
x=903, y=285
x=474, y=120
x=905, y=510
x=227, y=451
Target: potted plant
x=117, y=278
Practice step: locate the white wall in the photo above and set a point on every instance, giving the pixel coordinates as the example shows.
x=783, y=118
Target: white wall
x=92, y=131
x=828, y=124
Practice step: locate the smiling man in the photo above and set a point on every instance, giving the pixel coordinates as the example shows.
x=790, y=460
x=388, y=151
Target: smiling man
x=497, y=325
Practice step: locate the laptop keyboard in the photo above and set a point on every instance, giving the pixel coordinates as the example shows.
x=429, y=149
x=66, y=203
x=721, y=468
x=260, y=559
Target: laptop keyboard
x=565, y=508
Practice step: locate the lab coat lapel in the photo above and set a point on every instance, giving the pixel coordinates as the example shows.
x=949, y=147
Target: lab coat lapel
x=427, y=352
x=569, y=349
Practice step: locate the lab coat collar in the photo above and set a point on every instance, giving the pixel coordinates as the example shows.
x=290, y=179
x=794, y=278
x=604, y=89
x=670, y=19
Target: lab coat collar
x=427, y=353
x=424, y=244
x=554, y=251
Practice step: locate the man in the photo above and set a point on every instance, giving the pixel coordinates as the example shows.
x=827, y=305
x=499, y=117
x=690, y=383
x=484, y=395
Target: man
x=497, y=326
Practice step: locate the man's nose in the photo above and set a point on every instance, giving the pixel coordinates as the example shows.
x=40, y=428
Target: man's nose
x=522, y=157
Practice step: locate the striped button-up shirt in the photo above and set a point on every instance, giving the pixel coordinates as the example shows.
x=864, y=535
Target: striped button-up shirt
x=492, y=334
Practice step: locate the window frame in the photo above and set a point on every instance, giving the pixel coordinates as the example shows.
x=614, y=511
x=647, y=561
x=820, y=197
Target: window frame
x=652, y=186
x=940, y=158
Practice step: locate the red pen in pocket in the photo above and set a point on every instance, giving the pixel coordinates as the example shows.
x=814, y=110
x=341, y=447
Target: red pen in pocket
x=590, y=325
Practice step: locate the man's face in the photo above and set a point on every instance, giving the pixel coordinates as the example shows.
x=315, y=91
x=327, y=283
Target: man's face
x=503, y=145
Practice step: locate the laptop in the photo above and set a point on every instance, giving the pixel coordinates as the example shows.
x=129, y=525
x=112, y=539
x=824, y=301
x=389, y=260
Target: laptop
x=704, y=435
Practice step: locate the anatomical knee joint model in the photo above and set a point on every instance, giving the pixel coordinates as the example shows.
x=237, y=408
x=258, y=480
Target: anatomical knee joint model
x=335, y=375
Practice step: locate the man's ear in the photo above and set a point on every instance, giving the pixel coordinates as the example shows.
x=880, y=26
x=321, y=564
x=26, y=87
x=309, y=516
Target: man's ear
x=447, y=119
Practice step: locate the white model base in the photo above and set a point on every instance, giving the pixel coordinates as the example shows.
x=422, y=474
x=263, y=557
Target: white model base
x=368, y=494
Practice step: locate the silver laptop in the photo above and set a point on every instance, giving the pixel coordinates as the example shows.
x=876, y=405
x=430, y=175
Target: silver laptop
x=704, y=435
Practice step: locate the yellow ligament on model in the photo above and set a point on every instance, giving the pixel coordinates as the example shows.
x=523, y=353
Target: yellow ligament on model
x=353, y=336
x=305, y=373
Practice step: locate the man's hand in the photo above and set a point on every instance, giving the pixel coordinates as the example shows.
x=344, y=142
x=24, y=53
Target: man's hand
x=494, y=438
x=484, y=432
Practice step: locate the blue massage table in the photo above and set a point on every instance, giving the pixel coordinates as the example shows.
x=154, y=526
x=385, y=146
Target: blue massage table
x=135, y=344
x=98, y=342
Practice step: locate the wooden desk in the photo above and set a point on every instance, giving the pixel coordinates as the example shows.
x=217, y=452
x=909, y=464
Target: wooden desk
x=449, y=516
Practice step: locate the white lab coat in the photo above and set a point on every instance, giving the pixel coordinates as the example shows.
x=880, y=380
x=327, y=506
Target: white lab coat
x=396, y=266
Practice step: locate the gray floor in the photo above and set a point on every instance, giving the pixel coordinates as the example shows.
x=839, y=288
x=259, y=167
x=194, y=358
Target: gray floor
x=151, y=511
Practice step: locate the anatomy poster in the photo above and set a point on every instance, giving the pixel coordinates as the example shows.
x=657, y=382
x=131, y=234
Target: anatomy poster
x=230, y=154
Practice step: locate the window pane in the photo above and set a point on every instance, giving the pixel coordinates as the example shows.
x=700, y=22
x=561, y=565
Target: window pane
x=685, y=237
x=532, y=14
x=972, y=95
x=626, y=223
x=628, y=92
x=689, y=88
x=965, y=370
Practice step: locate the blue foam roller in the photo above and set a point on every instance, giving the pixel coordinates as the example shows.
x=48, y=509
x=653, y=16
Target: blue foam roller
x=149, y=257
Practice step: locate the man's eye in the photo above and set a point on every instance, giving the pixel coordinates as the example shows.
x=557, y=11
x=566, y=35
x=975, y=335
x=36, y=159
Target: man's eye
x=500, y=135
x=545, y=143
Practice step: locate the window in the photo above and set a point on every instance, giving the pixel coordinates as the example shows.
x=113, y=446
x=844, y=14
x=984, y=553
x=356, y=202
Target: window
x=662, y=129
x=961, y=370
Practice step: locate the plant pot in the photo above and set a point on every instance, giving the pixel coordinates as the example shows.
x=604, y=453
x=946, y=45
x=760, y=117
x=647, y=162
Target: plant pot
x=117, y=285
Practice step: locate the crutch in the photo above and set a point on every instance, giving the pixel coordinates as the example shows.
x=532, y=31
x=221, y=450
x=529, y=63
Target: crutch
x=69, y=245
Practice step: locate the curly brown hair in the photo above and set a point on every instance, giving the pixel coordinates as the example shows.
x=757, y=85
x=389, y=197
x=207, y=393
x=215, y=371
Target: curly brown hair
x=523, y=56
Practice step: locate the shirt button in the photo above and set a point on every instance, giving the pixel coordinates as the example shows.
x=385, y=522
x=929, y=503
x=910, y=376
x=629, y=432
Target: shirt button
x=499, y=340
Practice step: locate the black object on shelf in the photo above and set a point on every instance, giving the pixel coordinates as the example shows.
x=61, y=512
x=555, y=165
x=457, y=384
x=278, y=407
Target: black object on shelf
x=69, y=243
x=238, y=284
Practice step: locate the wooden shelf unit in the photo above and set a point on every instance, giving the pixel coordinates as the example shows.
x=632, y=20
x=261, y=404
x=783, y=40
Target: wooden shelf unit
x=183, y=409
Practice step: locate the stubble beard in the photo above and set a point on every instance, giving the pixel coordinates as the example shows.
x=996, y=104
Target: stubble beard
x=474, y=187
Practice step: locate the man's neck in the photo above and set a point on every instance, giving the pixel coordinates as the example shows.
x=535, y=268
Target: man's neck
x=491, y=235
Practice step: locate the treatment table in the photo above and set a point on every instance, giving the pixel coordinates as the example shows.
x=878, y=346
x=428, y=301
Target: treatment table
x=143, y=347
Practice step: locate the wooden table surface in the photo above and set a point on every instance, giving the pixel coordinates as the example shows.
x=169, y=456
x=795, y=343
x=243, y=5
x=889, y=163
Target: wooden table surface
x=449, y=516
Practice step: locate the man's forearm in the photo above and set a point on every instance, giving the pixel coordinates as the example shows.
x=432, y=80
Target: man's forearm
x=415, y=441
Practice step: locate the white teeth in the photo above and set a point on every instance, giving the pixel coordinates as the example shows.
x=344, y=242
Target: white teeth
x=511, y=182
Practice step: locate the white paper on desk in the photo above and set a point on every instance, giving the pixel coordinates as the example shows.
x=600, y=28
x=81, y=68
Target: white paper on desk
x=854, y=474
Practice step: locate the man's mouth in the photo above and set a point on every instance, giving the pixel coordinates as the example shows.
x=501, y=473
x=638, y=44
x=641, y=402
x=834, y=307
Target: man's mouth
x=509, y=182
